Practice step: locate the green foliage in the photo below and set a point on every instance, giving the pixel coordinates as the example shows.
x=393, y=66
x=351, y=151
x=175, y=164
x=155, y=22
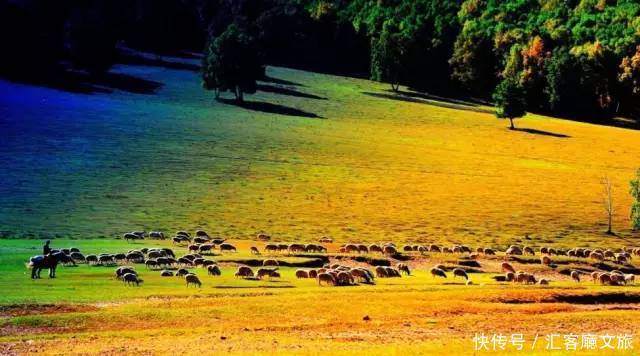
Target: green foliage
x=509, y=98
x=386, y=56
x=232, y=63
x=635, y=205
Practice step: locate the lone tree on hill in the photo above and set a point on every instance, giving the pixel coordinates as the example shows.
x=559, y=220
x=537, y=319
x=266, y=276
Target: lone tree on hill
x=232, y=63
x=509, y=97
x=635, y=205
x=386, y=56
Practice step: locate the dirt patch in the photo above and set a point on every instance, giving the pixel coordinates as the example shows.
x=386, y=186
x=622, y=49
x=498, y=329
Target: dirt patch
x=33, y=309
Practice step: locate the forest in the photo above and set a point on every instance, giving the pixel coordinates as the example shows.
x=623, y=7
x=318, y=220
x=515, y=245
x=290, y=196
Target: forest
x=573, y=58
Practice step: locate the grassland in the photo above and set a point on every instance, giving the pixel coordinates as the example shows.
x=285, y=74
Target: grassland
x=311, y=155
x=87, y=311
x=369, y=167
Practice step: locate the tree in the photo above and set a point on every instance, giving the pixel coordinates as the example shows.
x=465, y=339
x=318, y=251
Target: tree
x=386, y=56
x=635, y=205
x=608, y=202
x=232, y=63
x=509, y=98
x=90, y=40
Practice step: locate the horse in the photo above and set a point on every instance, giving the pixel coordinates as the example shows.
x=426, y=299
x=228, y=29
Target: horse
x=38, y=263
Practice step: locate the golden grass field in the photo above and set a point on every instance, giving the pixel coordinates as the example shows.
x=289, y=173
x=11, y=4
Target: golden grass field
x=370, y=169
x=97, y=314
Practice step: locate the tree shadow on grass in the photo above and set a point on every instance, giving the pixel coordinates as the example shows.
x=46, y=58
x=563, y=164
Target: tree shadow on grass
x=413, y=99
x=541, y=132
x=284, y=91
x=83, y=83
x=156, y=62
x=270, y=108
x=268, y=79
x=127, y=83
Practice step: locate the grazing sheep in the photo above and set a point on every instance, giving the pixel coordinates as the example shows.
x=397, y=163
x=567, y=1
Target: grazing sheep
x=506, y=267
x=254, y=250
x=325, y=240
x=403, y=267
x=183, y=233
x=201, y=233
x=263, y=237
x=351, y=248
x=131, y=278
x=459, y=272
x=206, y=248
x=629, y=279
x=437, y=272
x=227, y=247
x=121, y=271
x=575, y=275
x=327, y=278
x=513, y=250
x=604, y=278
x=469, y=282
x=423, y=250
x=363, y=249
x=91, y=259
x=375, y=248
x=389, y=250
x=545, y=260
x=489, y=251
x=200, y=240
x=296, y=248
x=434, y=248
x=363, y=275
x=302, y=273
x=182, y=272
x=543, y=282
x=595, y=276
x=381, y=272
x=407, y=248
x=271, y=248
x=166, y=273
x=526, y=278
x=78, y=257
x=207, y=263
x=313, y=273
x=129, y=236
x=151, y=264
x=596, y=256
x=268, y=272
x=192, y=279
x=345, y=279
x=392, y=272
x=158, y=235
x=510, y=276
x=529, y=251
x=244, y=272
x=214, y=270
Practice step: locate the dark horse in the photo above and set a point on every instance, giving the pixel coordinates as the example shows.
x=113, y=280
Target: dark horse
x=50, y=262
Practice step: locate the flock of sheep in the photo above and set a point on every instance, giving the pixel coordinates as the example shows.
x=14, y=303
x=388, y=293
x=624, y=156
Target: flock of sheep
x=201, y=244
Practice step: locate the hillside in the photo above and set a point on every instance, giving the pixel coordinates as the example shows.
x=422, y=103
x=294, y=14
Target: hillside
x=313, y=155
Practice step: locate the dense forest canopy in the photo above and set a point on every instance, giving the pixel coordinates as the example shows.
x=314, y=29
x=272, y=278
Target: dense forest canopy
x=572, y=57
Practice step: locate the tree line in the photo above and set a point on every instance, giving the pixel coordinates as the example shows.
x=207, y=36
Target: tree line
x=566, y=57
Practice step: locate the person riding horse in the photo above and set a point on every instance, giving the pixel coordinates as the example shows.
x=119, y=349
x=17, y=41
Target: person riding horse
x=46, y=261
x=46, y=249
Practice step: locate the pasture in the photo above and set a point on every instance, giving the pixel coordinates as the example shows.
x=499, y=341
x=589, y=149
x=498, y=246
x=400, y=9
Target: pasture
x=87, y=310
x=309, y=155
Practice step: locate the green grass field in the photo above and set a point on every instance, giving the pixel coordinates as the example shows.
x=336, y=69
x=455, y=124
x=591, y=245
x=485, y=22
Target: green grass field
x=312, y=155
x=371, y=168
